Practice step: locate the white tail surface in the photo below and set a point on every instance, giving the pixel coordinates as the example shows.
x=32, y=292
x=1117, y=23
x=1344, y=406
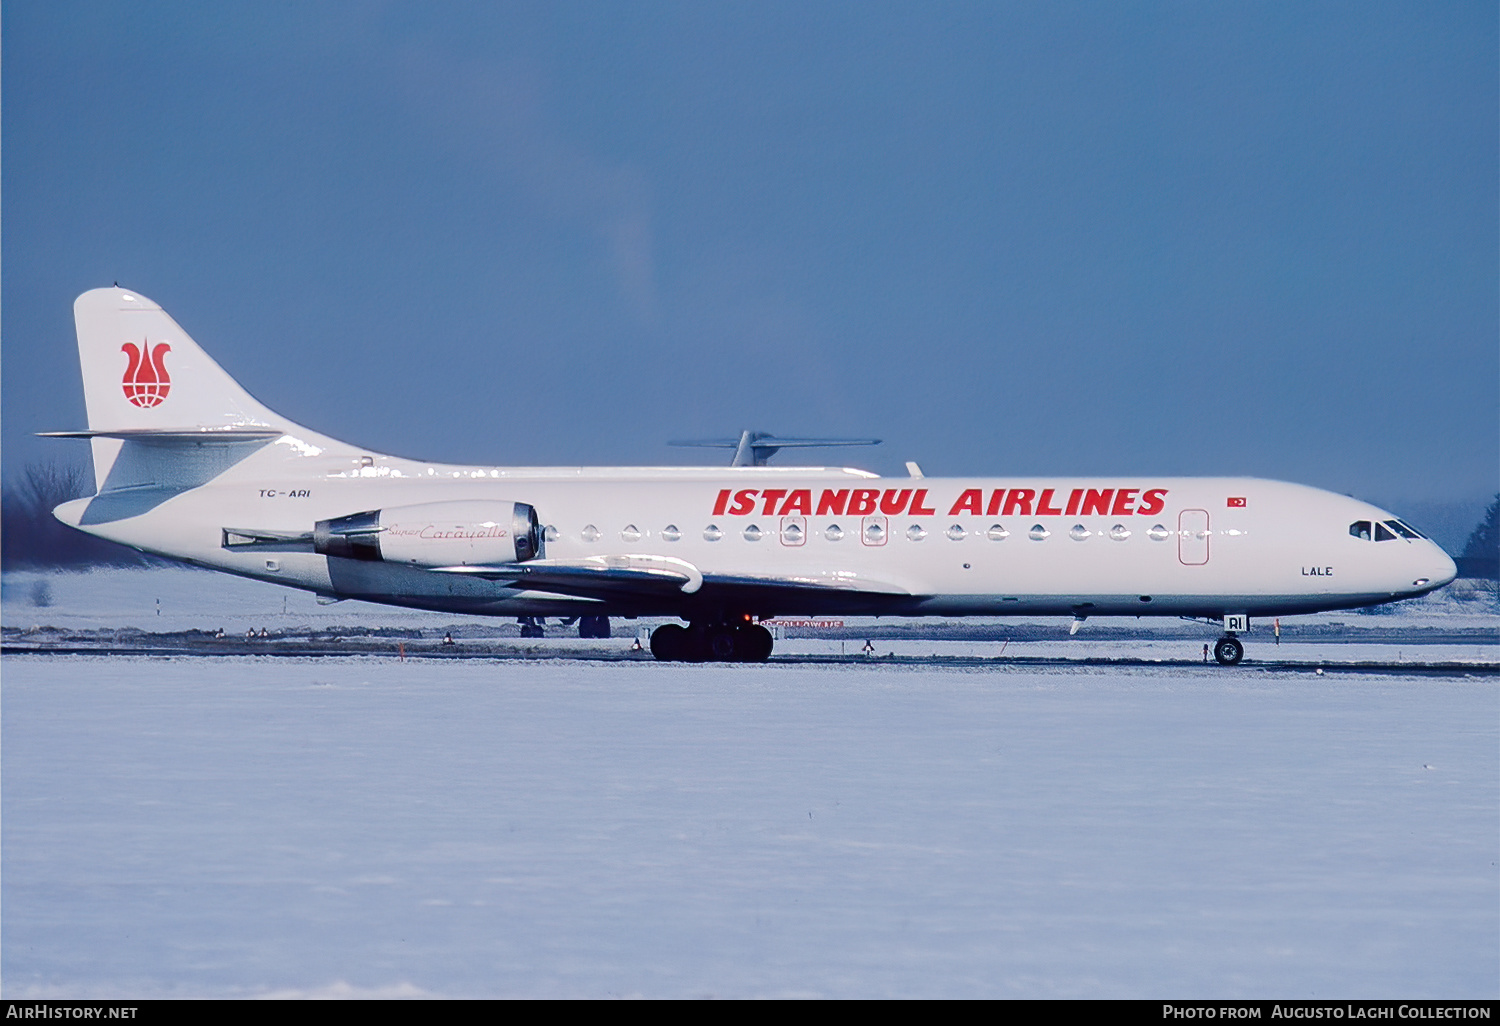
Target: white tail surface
x=143, y=375
x=142, y=371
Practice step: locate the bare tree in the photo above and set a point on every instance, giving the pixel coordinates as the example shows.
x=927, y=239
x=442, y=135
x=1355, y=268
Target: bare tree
x=31, y=536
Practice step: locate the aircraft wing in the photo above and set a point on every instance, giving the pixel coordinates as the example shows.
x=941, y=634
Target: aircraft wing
x=595, y=577
x=820, y=583
x=664, y=577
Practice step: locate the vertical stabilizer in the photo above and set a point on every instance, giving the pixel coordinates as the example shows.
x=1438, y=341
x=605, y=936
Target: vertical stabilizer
x=142, y=372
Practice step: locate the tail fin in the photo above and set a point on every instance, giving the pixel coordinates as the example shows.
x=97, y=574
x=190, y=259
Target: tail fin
x=144, y=375
x=141, y=370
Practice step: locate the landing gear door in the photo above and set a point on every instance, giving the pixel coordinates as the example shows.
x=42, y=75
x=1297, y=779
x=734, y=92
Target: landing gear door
x=1192, y=537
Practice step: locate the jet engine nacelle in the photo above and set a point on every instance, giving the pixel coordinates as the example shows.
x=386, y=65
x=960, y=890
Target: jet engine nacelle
x=435, y=534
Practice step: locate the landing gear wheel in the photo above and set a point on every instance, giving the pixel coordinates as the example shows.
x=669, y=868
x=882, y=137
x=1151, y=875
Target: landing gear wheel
x=754, y=644
x=722, y=644
x=593, y=626
x=530, y=628
x=1228, y=650
x=669, y=642
x=716, y=643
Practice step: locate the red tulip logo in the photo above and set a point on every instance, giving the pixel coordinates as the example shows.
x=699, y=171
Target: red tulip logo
x=146, y=380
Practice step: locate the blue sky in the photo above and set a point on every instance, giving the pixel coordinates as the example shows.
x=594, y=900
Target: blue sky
x=1064, y=238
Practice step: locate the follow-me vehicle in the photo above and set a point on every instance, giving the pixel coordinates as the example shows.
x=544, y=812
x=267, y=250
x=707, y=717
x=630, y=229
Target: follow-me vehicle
x=189, y=466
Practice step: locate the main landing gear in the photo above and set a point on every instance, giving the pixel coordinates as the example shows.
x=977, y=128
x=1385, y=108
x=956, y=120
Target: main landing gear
x=593, y=626
x=742, y=642
x=1228, y=650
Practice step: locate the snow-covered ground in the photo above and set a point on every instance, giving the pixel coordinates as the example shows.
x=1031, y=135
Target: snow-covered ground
x=171, y=599
x=368, y=827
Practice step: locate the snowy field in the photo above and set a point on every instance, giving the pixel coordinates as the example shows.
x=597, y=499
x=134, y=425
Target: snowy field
x=368, y=827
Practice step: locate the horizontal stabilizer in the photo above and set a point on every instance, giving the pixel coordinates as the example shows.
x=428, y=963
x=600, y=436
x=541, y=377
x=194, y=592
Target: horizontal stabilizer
x=175, y=436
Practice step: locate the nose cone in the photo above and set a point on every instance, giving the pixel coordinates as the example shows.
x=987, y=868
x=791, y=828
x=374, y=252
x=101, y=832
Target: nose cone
x=1446, y=568
x=71, y=513
x=1436, y=569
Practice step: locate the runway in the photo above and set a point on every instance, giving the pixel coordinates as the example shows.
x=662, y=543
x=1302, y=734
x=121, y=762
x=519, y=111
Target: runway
x=403, y=644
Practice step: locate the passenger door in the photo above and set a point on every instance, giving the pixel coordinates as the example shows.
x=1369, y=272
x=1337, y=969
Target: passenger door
x=1192, y=537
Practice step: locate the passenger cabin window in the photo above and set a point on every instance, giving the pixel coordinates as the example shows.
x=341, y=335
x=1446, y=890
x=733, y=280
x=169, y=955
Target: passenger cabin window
x=833, y=532
x=1383, y=533
x=1360, y=529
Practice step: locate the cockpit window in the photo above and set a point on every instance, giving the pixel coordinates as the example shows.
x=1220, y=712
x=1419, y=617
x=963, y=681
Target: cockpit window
x=1382, y=533
x=1412, y=529
x=1360, y=529
x=1402, y=529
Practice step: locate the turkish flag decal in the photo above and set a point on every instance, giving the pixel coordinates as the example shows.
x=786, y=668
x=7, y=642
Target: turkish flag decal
x=1236, y=502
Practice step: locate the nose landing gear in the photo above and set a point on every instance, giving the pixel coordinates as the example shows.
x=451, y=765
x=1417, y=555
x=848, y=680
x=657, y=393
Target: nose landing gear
x=712, y=643
x=1228, y=650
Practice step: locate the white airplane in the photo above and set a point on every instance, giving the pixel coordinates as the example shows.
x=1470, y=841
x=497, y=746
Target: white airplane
x=189, y=466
